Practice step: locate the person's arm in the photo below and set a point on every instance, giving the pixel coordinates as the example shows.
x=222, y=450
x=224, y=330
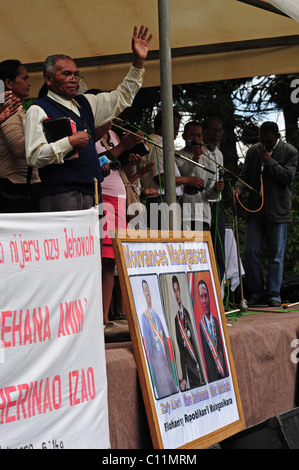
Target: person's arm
x=192, y=181
x=9, y=107
x=127, y=142
x=134, y=176
x=282, y=171
x=188, y=168
x=214, y=190
x=13, y=133
x=108, y=105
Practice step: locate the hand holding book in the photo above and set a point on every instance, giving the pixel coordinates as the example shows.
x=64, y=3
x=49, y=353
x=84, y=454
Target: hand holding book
x=79, y=139
x=58, y=128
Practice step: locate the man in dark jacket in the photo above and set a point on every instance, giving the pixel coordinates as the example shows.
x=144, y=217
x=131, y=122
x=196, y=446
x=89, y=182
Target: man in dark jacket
x=269, y=168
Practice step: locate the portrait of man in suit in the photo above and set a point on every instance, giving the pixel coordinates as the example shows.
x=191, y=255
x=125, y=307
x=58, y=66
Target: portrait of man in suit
x=192, y=375
x=158, y=348
x=211, y=338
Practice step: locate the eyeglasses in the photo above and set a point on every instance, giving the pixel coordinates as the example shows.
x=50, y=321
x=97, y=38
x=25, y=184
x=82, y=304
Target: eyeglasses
x=67, y=75
x=217, y=131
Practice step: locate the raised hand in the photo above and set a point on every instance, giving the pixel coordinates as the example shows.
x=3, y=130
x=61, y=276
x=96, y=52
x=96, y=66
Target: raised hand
x=140, y=44
x=9, y=107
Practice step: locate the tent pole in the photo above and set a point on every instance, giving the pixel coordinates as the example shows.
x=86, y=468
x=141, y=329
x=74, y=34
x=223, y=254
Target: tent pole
x=167, y=109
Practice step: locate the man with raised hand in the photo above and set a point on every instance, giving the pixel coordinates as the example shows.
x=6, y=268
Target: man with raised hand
x=68, y=183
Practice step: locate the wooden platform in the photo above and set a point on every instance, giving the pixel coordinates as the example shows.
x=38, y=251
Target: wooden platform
x=262, y=342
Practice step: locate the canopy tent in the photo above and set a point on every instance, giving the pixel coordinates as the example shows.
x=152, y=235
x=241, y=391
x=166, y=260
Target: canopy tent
x=200, y=40
x=289, y=7
x=210, y=39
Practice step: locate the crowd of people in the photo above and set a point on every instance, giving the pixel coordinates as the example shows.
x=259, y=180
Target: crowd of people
x=38, y=175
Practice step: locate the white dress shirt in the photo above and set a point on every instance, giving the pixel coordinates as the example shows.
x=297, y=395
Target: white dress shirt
x=156, y=156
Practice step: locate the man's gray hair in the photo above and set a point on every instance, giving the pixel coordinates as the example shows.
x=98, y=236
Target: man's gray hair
x=51, y=60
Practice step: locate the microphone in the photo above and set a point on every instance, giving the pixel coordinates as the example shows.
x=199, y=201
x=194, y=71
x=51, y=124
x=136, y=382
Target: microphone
x=221, y=173
x=262, y=148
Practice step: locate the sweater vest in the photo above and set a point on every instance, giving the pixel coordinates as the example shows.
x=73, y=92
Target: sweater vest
x=78, y=173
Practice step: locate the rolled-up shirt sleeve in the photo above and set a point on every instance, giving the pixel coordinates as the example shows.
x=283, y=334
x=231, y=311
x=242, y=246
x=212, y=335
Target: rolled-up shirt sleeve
x=39, y=152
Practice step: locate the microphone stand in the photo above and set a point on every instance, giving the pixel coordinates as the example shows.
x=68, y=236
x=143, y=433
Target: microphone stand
x=242, y=305
x=186, y=158
x=231, y=173
x=160, y=146
x=290, y=305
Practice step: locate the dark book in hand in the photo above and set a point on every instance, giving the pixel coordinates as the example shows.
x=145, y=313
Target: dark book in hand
x=58, y=128
x=140, y=149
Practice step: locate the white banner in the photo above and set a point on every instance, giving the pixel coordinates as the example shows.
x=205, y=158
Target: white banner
x=53, y=388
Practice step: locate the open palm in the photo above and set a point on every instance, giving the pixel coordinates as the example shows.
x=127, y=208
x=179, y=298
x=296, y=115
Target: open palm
x=140, y=41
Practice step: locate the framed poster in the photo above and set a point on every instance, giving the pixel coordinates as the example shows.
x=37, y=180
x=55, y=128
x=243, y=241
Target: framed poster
x=179, y=336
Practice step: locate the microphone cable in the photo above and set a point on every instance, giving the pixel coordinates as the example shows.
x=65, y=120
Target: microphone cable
x=217, y=237
x=262, y=195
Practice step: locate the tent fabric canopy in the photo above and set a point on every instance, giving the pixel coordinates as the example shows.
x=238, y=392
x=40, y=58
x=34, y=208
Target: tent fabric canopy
x=289, y=7
x=210, y=39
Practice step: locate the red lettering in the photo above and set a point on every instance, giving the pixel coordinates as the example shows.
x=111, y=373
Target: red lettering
x=61, y=331
x=47, y=329
x=2, y=404
x=91, y=383
x=37, y=324
x=47, y=398
x=56, y=380
x=27, y=328
x=70, y=389
x=76, y=374
x=71, y=318
x=68, y=317
x=73, y=387
x=9, y=404
x=79, y=315
x=77, y=380
x=21, y=401
x=17, y=328
x=36, y=398
x=39, y=396
x=5, y=329
x=84, y=395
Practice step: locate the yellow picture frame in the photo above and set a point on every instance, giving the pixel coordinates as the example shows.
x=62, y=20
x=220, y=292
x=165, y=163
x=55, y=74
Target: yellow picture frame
x=211, y=417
